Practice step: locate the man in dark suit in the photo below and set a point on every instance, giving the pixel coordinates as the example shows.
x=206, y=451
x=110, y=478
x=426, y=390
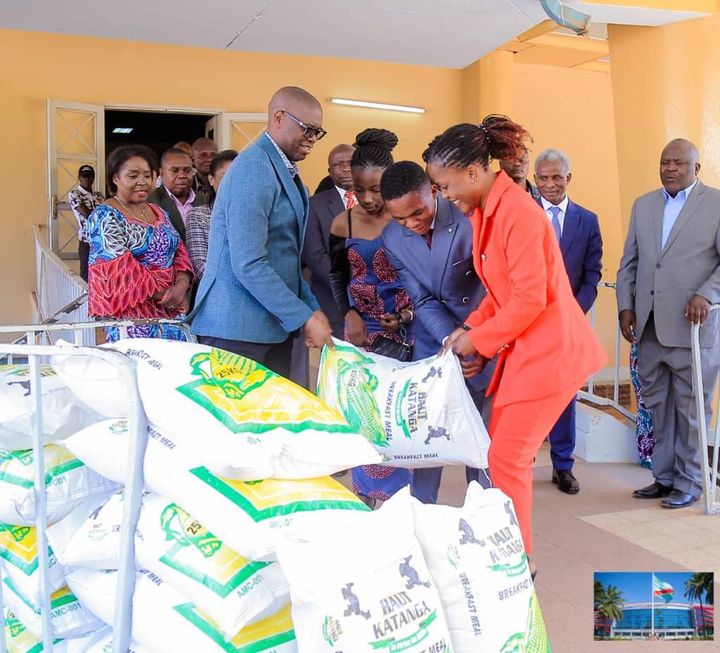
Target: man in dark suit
x=578, y=232
x=252, y=297
x=324, y=206
x=517, y=168
x=176, y=194
x=429, y=243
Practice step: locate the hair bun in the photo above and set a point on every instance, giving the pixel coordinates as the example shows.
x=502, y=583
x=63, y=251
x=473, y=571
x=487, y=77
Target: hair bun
x=372, y=137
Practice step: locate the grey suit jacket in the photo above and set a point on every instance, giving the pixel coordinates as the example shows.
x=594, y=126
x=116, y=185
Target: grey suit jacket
x=324, y=206
x=662, y=281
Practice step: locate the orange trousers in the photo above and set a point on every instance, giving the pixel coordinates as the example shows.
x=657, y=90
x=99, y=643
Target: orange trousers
x=516, y=433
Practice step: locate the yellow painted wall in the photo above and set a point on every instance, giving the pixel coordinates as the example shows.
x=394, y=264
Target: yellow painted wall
x=39, y=66
x=572, y=109
x=120, y=72
x=666, y=84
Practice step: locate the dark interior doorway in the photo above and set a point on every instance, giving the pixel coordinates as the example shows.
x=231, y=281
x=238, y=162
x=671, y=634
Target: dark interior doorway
x=156, y=130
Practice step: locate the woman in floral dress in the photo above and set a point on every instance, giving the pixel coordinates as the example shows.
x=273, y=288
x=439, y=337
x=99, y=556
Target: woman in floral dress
x=138, y=265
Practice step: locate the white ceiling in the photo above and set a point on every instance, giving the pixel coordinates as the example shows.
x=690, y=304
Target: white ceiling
x=447, y=33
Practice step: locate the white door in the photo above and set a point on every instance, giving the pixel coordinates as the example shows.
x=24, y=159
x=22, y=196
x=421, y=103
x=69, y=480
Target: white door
x=236, y=130
x=76, y=136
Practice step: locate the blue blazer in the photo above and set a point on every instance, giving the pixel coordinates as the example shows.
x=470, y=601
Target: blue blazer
x=440, y=280
x=324, y=206
x=252, y=289
x=582, y=247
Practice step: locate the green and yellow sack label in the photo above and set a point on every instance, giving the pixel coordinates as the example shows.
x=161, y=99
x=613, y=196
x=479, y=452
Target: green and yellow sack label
x=18, y=546
x=221, y=569
x=270, y=634
x=248, y=398
x=16, y=467
x=270, y=498
x=20, y=639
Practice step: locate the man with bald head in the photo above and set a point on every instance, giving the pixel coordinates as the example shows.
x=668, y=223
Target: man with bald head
x=669, y=276
x=324, y=206
x=252, y=298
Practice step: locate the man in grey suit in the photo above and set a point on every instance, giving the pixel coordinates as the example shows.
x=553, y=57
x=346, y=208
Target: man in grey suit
x=324, y=206
x=252, y=297
x=669, y=276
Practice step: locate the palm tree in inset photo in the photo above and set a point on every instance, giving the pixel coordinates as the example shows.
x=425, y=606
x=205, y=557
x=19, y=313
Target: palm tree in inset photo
x=609, y=602
x=700, y=585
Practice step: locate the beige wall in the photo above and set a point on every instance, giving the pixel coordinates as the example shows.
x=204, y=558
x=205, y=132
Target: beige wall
x=41, y=66
x=579, y=120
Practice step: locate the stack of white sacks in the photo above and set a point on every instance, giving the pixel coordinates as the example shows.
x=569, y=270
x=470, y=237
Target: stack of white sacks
x=246, y=544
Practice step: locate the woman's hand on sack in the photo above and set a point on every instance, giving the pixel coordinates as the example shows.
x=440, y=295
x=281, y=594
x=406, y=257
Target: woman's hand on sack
x=450, y=340
x=462, y=346
x=473, y=365
x=356, y=329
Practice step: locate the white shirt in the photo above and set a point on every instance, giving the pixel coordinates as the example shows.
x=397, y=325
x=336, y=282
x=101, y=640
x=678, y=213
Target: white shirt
x=341, y=192
x=673, y=206
x=563, y=210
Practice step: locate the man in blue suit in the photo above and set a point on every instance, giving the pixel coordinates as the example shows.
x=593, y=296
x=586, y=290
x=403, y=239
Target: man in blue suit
x=578, y=232
x=429, y=243
x=252, y=297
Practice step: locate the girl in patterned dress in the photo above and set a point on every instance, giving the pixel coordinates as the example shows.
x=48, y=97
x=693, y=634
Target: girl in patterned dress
x=138, y=265
x=365, y=285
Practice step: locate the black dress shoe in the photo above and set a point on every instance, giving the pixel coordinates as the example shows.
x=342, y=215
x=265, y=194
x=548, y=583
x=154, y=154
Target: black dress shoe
x=652, y=491
x=565, y=481
x=678, y=499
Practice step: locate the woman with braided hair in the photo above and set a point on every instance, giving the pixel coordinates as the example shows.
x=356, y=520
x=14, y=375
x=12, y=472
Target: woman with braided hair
x=366, y=288
x=546, y=347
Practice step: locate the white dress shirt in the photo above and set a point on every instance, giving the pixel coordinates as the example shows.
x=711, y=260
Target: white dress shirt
x=563, y=210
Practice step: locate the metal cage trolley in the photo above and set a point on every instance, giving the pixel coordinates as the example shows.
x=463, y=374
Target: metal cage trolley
x=31, y=346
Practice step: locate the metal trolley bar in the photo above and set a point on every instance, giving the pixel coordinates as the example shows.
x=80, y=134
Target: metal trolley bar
x=34, y=354
x=709, y=474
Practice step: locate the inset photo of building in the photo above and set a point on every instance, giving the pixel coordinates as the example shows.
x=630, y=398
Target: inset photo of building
x=653, y=606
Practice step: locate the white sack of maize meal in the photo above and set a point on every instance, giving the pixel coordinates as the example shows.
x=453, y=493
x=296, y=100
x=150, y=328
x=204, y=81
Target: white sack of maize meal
x=232, y=590
x=165, y=620
x=62, y=413
x=20, y=640
x=242, y=420
x=477, y=559
x=416, y=414
x=18, y=555
x=68, y=617
x=251, y=517
x=365, y=590
x=102, y=642
x=68, y=484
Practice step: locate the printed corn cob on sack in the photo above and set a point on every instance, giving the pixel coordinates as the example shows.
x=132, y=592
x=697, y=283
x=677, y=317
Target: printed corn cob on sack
x=242, y=420
x=477, y=559
x=232, y=590
x=415, y=414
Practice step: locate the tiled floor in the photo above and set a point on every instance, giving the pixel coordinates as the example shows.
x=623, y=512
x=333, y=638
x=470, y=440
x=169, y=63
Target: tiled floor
x=604, y=529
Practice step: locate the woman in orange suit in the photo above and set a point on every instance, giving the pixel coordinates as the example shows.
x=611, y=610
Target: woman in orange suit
x=546, y=347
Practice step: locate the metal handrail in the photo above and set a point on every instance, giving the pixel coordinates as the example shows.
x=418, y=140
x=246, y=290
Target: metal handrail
x=133, y=483
x=709, y=475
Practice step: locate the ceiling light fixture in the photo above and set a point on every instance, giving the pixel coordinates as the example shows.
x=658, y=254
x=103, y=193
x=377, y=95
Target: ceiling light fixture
x=376, y=105
x=122, y=130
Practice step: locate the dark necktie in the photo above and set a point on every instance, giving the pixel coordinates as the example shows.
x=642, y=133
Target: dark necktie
x=428, y=238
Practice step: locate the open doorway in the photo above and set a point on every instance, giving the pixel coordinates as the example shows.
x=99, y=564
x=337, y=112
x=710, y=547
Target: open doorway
x=156, y=130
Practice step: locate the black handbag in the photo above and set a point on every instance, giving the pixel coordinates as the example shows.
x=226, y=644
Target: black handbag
x=401, y=351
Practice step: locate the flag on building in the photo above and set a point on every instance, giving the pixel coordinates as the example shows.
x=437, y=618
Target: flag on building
x=662, y=589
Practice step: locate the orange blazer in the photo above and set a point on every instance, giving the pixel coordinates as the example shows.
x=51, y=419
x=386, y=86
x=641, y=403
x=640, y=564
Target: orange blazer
x=529, y=315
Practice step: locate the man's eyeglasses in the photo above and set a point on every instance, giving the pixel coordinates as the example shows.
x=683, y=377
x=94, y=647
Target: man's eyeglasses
x=308, y=131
